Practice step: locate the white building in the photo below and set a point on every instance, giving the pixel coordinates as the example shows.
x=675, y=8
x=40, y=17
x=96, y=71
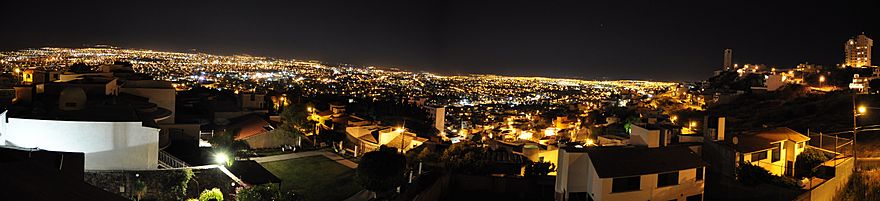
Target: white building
x=161, y=93
x=114, y=132
x=438, y=114
x=107, y=145
x=629, y=173
x=85, y=112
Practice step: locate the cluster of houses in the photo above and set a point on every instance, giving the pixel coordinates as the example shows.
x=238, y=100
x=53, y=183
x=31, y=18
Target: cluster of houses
x=659, y=163
x=103, y=121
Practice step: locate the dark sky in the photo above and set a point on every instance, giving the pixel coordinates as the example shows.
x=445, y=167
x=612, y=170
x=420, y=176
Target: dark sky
x=659, y=40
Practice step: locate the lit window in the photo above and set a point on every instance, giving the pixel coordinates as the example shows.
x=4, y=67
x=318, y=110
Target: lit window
x=759, y=156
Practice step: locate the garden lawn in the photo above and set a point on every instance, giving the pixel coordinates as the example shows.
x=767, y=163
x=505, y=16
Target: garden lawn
x=317, y=178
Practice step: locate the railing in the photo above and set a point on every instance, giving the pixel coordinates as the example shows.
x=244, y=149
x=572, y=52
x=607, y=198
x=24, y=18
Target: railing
x=166, y=160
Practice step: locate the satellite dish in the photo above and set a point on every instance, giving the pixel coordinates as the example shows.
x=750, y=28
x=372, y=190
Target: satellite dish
x=735, y=140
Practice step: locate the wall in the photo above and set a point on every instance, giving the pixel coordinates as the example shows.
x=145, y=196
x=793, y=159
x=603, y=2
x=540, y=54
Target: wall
x=644, y=137
x=827, y=190
x=687, y=186
x=164, y=98
x=271, y=139
x=107, y=145
x=776, y=168
x=572, y=171
x=160, y=182
x=190, y=130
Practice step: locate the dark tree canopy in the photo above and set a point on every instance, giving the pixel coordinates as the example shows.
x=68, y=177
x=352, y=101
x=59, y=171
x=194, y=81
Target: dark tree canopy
x=381, y=171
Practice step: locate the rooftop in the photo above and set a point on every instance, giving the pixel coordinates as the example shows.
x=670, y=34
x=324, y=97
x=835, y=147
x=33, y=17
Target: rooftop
x=619, y=161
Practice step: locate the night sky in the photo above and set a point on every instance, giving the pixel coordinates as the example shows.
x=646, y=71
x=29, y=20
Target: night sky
x=656, y=40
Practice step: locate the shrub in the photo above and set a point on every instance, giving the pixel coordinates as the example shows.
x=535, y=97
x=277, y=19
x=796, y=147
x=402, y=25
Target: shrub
x=211, y=195
x=808, y=161
x=381, y=171
x=752, y=175
x=266, y=192
x=538, y=168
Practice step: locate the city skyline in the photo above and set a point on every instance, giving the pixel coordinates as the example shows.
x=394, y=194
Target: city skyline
x=637, y=40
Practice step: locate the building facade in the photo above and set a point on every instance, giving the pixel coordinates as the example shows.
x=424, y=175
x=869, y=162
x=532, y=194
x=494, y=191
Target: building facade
x=629, y=173
x=858, y=51
x=728, y=59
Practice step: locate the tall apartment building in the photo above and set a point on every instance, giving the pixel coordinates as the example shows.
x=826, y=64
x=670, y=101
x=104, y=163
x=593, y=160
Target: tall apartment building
x=728, y=59
x=858, y=51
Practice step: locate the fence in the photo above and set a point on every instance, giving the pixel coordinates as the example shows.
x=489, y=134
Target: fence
x=832, y=143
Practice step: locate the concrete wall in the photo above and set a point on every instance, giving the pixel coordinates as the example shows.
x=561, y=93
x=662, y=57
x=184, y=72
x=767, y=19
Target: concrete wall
x=572, y=172
x=826, y=191
x=190, y=130
x=160, y=182
x=687, y=186
x=164, y=98
x=644, y=137
x=271, y=139
x=107, y=145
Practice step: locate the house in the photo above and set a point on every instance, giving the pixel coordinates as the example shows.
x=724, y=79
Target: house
x=258, y=133
x=114, y=116
x=629, y=173
x=369, y=137
x=775, y=150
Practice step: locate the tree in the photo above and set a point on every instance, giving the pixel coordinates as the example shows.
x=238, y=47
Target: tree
x=266, y=192
x=465, y=157
x=381, y=171
x=181, y=178
x=296, y=119
x=140, y=188
x=808, y=161
x=541, y=168
x=752, y=175
x=211, y=195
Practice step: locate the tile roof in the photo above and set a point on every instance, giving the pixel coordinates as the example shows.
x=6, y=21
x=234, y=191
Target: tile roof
x=249, y=126
x=759, y=140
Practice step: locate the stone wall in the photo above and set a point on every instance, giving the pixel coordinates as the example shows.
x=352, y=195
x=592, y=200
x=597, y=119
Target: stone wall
x=160, y=183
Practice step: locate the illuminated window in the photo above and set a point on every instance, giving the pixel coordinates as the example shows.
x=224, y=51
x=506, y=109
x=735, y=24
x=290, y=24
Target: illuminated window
x=759, y=156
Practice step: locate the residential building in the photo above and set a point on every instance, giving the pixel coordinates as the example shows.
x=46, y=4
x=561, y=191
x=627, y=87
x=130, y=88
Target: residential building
x=775, y=150
x=728, y=60
x=858, y=51
x=629, y=173
x=438, y=115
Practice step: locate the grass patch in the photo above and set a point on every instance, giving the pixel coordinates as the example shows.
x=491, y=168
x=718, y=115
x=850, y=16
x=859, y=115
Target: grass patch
x=317, y=178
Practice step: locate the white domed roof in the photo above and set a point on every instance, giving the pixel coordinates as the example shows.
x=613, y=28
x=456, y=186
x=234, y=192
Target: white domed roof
x=72, y=98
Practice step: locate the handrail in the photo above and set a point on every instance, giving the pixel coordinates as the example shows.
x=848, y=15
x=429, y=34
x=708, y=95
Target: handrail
x=167, y=160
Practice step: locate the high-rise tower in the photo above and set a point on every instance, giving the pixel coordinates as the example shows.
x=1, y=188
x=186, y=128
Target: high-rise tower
x=858, y=51
x=728, y=59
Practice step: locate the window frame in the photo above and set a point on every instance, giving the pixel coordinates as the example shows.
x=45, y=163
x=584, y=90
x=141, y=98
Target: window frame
x=700, y=173
x=668, y=179
x=762, y=153
x=625, y=184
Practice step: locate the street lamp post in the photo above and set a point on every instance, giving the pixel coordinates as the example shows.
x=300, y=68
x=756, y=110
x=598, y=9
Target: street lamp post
x=857, y=111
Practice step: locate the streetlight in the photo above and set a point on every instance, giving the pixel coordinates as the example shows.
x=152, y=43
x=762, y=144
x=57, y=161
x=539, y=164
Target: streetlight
x=221, y=158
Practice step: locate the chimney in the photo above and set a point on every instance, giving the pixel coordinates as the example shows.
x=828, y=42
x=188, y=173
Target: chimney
x=720, y=135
